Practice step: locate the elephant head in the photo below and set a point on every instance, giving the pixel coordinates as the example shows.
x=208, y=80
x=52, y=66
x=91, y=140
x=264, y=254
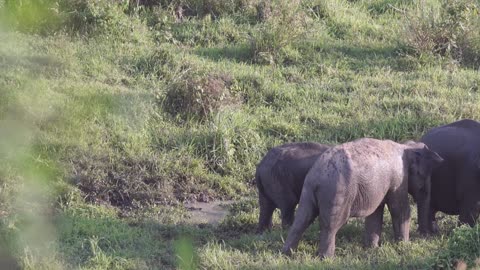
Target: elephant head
x=421, y=163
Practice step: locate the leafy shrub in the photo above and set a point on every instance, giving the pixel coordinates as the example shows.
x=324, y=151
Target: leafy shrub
x=103, y=18
x=233, y=145
x=205, y=32
x=283, y=25
x=342, y=18
x=200, y=8
x=159, y=63
x=379, y=7
x=75, y=16
x=31, y=16
x=86, y=15
x=463, y=246
x=199, y=95
x=214, y=7
x=450, y=30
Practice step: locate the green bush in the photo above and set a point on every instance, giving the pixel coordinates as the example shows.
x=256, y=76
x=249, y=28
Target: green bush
x=449, y=30
x=31, y=16
x=342, y=18
x=75, y=16
x=462, y=247
x=199, y=95
x=283, y=24
x=102, y=18
x=159, y=63
x=203, y=32
x=200, y=8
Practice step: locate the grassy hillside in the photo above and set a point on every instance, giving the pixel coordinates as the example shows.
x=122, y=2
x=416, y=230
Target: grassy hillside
x=114, y=114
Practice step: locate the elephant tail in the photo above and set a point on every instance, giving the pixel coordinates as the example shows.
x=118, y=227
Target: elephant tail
x=260, y=187
x=258, y=182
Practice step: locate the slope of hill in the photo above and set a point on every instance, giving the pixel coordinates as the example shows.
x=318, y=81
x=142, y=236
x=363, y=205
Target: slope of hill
x=114, y=114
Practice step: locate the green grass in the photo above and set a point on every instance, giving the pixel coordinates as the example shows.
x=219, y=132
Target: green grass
x=95, y=167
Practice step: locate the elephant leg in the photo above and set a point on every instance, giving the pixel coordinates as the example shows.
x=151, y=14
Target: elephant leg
x=373, y=227
x=329, y=227
x=423, y=213
x=288, y=214
x=305, y=215
x=400, y=212
x=433, y=226
x=266, y=211
x=331, y=220
x=326, y=246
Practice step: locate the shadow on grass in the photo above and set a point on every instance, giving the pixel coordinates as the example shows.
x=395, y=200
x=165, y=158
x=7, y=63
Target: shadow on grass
x=356, y=58
x=360, y=58
x=347, y=55
x=35, y=64
x=238, y=53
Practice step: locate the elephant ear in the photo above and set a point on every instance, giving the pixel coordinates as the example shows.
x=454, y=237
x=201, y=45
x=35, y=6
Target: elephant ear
x=422, y=162
x=433, y=157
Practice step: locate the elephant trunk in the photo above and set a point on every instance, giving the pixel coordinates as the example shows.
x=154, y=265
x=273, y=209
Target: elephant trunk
x=423, y=209
x=421, y=195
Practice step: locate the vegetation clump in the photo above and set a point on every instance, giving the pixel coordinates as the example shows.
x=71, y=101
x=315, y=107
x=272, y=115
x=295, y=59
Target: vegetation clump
x=463, y=247
x=199, y=95
x=282, y=23
x=450, y=29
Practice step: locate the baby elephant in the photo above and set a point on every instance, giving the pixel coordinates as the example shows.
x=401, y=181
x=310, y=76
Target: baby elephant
x=357, y=179
x=280, y=176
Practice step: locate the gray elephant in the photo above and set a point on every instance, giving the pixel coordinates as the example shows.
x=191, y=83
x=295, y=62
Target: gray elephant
x=456, y=183
x=279, y=178
x=357, y=179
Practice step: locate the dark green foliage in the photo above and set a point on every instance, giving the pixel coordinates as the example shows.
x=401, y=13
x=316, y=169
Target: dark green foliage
x=31, y=16
x=450, y=30
x=198, y=95
x=464, y=246
x=200, y=8
x=283, y=23
x=88, y=16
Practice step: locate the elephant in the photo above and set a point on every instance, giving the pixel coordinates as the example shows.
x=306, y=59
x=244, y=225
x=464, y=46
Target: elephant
x=357, y=179
x=279, y=178
x=456, y=183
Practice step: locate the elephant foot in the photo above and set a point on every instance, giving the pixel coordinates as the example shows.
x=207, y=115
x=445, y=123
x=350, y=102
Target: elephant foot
x=262, y=229
x=374, y=244
x=287, y=251
x=325, y=255
x=434, y=229
x=430, y=230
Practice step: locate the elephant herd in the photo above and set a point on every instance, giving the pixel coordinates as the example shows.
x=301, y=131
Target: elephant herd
x=358, y=178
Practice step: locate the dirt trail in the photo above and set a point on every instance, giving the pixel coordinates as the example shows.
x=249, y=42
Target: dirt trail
x=211, y=212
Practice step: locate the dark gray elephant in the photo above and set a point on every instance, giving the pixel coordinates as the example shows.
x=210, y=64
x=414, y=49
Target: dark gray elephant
x=357, y=179
x=456, y=183
x=279, y=178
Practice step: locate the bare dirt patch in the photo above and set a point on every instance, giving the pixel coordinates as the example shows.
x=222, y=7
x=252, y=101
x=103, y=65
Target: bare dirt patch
x=208, y=212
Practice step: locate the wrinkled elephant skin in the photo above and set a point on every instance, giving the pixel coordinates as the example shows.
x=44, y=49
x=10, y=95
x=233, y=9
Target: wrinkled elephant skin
x=357, y=179
x=279, y=178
